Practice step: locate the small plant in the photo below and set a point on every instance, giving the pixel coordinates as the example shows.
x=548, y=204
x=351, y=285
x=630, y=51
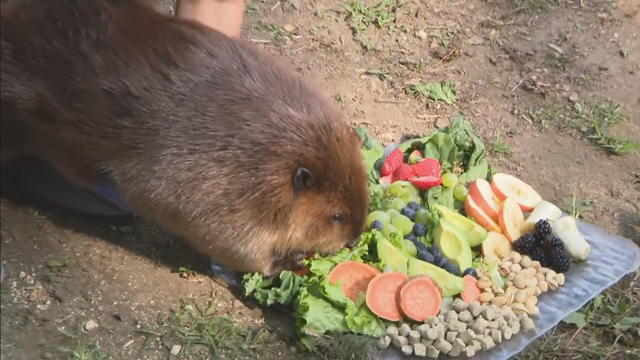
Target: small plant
x=595, y=121
x=500, y=147
x=362, y=16
x=443, y=91
x=535, y=5
x=576, y=209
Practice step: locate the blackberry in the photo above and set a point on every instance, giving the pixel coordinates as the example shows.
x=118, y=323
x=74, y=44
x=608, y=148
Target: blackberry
x=413, y=205
x=525, y=244
x=539, y=255
x=552, y=242
x=470, y=271
x=559, y=260
x=419, y=229
x=376, y=225
x=408, y=212
x=543, y=229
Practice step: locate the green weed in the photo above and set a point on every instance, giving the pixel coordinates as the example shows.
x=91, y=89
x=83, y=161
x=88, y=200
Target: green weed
x=540, y=6
x=595, y=120
x=500, y=147
x=88, y=352
x=442, y=91
x=575, y=208
x=361, y=16
x=198, y=328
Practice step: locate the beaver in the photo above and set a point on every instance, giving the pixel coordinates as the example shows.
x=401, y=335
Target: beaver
x=207, y=136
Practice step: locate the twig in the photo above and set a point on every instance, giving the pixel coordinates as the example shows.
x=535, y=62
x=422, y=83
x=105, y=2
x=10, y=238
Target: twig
x=518, y=84
x=495, y=129
x=527, y=119
x=275, y=6
x=260, y=41
x=388, y=101
x=556, y=48
x=572, y=337
x=128, y=343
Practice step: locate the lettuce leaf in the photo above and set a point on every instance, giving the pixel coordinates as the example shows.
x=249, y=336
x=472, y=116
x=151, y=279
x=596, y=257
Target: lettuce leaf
x=372, y=151
x=282, y=289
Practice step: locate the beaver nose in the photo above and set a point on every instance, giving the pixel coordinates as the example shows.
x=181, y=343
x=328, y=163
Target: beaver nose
x=353, y=242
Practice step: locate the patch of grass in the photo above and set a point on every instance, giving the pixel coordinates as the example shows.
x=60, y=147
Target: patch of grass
x=575, y=208
x=539, y=6
x=345, y=347
x=361, y=16
x=543, y=115
x=500, y=147
x=339, y=98
x=444, y=36
x=197, y=328
x=560, y=61
x=595, y=120
x=275, y=33
x=88, y=352
x=442, y=91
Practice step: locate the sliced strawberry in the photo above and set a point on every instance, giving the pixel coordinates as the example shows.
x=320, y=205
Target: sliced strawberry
x=427, y=167
x=392, y=162
x=385, y=180
x=426, y=182
x=415, y=156
x=403, y=172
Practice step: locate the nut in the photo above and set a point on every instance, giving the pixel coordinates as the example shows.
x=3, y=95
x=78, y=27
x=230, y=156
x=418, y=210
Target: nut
x=392, y=330
x=560, y=279
x=496, y=335
x=525, y=261
x=484, y=283
x=407, y=349
x=486, y=297
x=529, y=272
x=515, y=268
x=442, y=345
x=499, y=301
x=498, y=291
x=384, y=342
x=536, y=265
x=432, y=352
x=527, y=324
x=413, y=337
x=518, y=308
x=520, y=282
x=533, y=310
x=459, y=305
x=515, y=257
x=521, y=296
x=420, y=349
x=404, y=329
x=399, y=341
x=451, y=336
x=503, y=269
x=553, y=285
x=465, y=316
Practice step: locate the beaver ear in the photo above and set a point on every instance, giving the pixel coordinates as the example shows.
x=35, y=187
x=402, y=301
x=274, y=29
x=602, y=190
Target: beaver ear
x=302, y=179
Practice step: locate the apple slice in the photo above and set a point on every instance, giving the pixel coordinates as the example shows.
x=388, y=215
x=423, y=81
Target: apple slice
x=496, y=245
x=483, y=196
x=511, y=219
x=475, y=212
x=508, y=186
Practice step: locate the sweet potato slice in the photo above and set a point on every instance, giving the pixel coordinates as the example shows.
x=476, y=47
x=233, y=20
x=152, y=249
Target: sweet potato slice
x=471, y=291
x=355, y=277
x=420, y=298
x=382, y=295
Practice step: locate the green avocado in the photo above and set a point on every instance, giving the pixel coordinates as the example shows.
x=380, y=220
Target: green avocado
x=449, y=284
x=453, y=244
x=391, y=257
x=474, y=233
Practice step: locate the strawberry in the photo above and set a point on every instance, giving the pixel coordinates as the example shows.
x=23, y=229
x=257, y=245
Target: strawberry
x=385, y=180
x=392, y=162
x=427, y=167
x=426, y=182
x=415, y=156
x=403, y=172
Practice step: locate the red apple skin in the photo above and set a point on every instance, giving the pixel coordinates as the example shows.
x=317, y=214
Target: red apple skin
x=472, y=210
x=503, y=224
x=502, y=196
x=481, y=200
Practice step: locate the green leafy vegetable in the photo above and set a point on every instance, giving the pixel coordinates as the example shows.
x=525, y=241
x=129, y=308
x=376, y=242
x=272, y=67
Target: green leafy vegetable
x=275, y=290
x=577, y=318
x=372, y=151
x=442, y=91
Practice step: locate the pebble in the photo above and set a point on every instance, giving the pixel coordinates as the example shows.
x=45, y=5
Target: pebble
x=175, y=349
x=47, y=356
x=384, y=342
x=117, y=317
x=399, y=341
x=404, y=329
x=414, y=337
x=407, y=350
x=432, y=352
x=288, y=28
x=421, y=34
x=392, y=330
x=90, y=325
x=432, y=334
x=420, y=349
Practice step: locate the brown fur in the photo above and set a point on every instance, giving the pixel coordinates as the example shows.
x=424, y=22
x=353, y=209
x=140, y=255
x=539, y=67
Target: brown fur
x=201, y=133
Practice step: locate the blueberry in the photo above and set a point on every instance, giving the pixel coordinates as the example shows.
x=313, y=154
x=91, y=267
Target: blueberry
x=413, y=205
x=411, y=237
x=435, y=251
x=470, y=271
x=409, y=212
x=441, y=261
x=452, y=268
x=376, y=225
x=424, y=254
x=419, y=229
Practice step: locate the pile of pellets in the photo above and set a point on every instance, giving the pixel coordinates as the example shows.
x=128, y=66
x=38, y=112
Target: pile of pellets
x=459, y=330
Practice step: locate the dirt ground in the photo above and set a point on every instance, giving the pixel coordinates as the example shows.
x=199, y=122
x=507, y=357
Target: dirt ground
x=520, y=68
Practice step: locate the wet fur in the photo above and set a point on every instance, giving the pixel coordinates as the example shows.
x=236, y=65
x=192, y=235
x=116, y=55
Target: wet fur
x=200, y=132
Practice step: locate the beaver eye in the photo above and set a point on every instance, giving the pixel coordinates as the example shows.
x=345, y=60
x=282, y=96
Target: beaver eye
x=337, y=217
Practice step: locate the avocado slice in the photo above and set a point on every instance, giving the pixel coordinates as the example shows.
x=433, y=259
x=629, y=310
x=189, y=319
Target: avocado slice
x=391, y=257
x=474, y=233
x=453, y=244
x=449, y=284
